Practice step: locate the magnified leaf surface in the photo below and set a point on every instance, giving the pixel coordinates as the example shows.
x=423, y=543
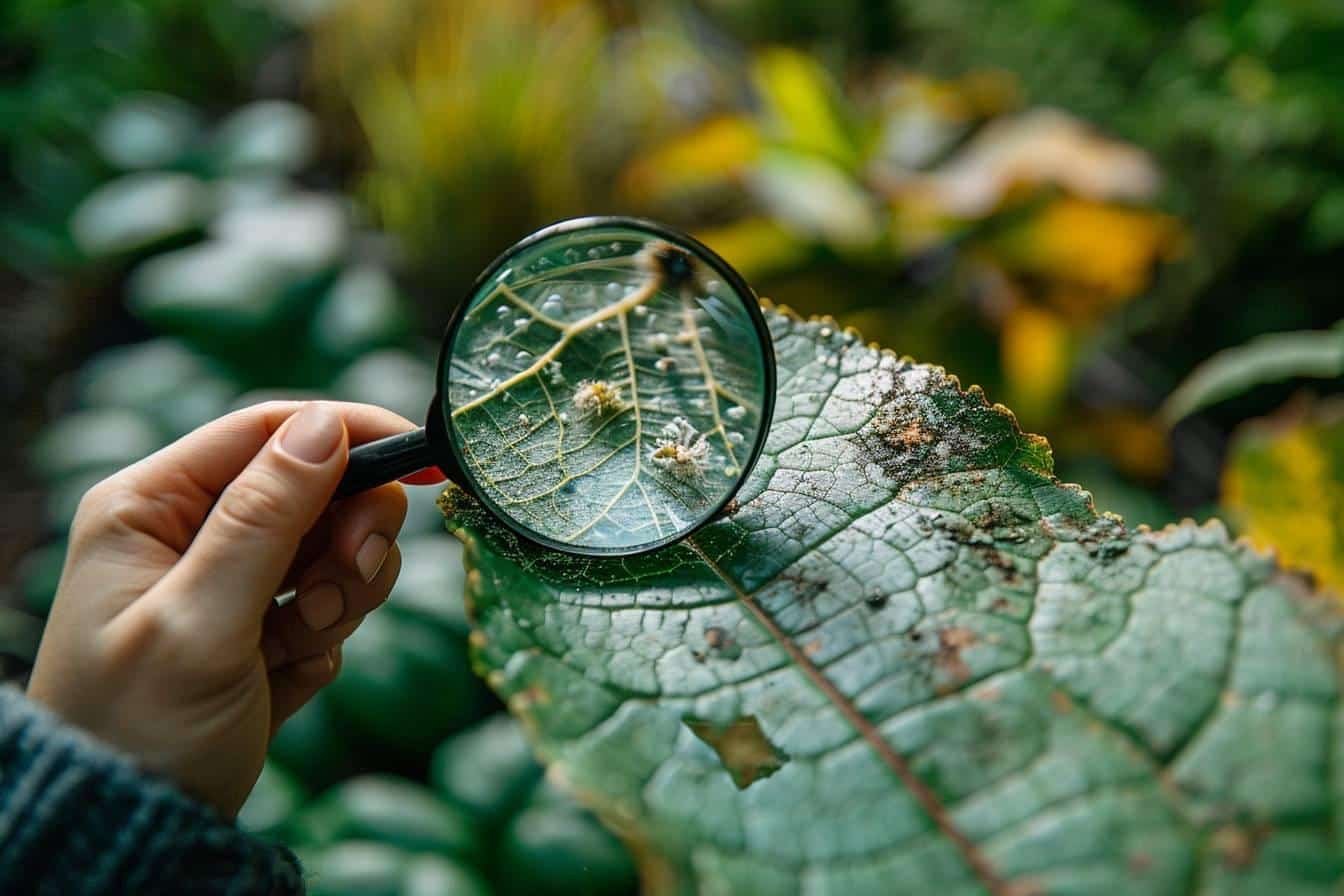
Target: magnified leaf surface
x=606, y=389
x=914, y=662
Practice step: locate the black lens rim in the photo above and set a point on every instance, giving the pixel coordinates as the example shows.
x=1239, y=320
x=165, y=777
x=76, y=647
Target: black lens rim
x=440, y=424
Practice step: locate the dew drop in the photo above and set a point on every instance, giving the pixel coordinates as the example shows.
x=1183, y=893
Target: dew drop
x=641, y=310
x=594, y=254
x=492, y=359
x=522, y=322
x=524, y=420
x=572, y=255
x=615, y=247
x=522, y=356
x=735, y=438
x=494, y=383
x=501, y=310
x=824, y=332
x=504, y=274
x=613, y=290
x=736, y=412
x=553, y=302
x=729, y=470
x=712, y=286
x=665, y=365
x=564, y=417
x=600, y=326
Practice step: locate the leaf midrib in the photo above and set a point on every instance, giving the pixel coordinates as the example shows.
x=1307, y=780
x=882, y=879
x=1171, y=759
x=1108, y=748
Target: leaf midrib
x=923, y=794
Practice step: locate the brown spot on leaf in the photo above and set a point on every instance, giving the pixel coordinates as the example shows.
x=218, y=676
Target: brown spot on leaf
x=951, y=642
x=732, y=507
x=813, y=647
x=805, y=587
x=908, y=437
x=1237, y=846
x=718, y=643
x=532, y=695
x=743, y=748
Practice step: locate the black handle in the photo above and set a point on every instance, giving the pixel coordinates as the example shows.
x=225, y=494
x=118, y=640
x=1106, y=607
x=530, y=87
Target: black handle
x=374, y=463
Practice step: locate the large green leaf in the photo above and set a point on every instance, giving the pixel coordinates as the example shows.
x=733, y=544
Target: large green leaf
x=913, y=661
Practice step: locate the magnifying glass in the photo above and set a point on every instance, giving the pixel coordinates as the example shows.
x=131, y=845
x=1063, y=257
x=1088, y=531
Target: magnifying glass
x=604, y=390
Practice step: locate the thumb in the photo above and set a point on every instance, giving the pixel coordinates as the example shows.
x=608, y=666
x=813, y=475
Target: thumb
x=238, y=559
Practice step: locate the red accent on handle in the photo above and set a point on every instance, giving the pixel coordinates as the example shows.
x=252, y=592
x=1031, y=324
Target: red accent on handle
x=427, y=476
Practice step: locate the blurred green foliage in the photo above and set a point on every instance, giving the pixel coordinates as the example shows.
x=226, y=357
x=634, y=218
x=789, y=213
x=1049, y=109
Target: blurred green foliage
x=1073, y=204
x=64, y=64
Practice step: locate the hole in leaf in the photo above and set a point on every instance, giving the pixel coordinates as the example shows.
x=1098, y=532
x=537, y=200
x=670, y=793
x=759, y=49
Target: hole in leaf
x=743, y=748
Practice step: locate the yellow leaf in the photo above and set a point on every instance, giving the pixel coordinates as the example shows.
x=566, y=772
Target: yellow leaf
x=1107, y=249
x=755, y=246
x=1284, y=485
x=1037, y=355
x=803, y=105
x=711, y=154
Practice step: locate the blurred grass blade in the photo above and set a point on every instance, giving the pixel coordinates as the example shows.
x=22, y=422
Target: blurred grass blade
x=1271, y=358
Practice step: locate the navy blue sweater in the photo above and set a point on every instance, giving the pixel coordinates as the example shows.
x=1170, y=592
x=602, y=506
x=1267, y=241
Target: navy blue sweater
x=79, y=818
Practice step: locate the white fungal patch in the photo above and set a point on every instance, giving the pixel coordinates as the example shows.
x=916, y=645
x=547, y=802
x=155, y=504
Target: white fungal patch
x=681, y=451
x=598, y=395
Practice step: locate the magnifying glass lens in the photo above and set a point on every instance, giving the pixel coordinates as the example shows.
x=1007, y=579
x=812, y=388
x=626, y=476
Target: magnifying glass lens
x=607, y=387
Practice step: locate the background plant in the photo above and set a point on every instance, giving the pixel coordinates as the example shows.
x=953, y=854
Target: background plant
x=1074, y=205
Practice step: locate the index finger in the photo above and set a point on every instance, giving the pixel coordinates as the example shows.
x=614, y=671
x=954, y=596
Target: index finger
x=206, y=460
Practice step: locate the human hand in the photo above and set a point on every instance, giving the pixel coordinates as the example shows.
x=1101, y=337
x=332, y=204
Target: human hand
x=164, y=639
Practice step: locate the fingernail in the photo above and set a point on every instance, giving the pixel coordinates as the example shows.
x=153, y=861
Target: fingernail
x=313, y=434
x=321, y=605
x=370, y=556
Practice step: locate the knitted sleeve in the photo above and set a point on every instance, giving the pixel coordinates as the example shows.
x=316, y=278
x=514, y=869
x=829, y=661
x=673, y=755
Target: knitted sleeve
x=78, y=818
